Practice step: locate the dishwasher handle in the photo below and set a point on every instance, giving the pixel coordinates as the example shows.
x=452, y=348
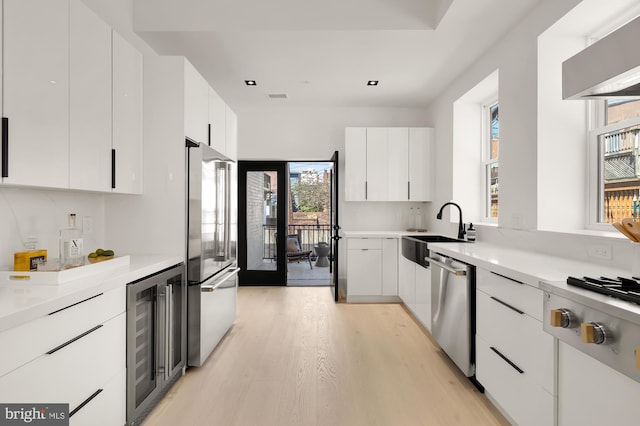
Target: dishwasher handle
x=455, y=271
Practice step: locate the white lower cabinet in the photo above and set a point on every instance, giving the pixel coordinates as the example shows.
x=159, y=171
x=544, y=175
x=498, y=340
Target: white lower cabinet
x=423, y=295
x=372, y=269
x=514, y=356
x=74, y=355
x=592, y=393
x=414, y=282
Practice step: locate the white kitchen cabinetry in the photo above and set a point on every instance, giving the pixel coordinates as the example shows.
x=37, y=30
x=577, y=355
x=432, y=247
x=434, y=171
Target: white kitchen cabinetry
x=36, y=91
x=231, y=127
x=388, y=164
x=355, y=154
x=372, y=269
x=592, y=393
x=89, y=100
x=364, y=266
x=217, y=121
x=514, y=356
x=423, y=295
x=127, y=117
x=73, y=355
x=420, y=159
x=414, y=282
x=196, y=105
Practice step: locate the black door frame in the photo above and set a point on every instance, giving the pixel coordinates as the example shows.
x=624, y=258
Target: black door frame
x=263, y=277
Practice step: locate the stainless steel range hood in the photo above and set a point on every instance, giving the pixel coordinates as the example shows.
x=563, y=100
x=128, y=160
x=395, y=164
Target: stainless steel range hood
x=609, y=68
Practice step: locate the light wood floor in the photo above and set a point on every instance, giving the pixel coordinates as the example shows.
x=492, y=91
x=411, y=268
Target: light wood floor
x=294, y=357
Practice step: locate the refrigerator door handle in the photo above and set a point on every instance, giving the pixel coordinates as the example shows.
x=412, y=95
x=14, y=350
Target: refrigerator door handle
x=161, y=318
x=209, y=288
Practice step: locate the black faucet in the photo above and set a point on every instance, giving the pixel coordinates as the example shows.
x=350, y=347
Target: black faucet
x=461, y=230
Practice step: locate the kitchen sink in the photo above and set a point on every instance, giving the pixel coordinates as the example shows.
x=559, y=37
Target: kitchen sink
x=415, y=247
x=435, y=239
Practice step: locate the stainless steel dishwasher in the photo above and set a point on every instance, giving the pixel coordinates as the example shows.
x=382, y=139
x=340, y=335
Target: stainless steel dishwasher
x=453, y=309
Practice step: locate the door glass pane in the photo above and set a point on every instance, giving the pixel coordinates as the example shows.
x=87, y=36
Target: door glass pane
x=145, y=343
x=262, y=196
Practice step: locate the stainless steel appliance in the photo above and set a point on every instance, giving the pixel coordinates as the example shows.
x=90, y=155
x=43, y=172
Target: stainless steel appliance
x=211, y=249
x=598, y=316
x=608, y=68
x=598, y=360
x=453, y=310
x=156, y=339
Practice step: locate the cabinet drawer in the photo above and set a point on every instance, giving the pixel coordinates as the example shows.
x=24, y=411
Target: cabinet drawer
x=518, y=336
x=107, y=408
x=32, y=339
x=73, y=372
x=523, y=399
x=514, y=292
x=364, y=243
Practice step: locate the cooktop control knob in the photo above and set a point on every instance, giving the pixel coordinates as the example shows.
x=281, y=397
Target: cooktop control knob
x=562, y=318
x=593, y=332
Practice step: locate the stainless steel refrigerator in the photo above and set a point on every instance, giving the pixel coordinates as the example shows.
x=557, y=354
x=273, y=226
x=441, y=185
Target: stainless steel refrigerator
x=211, y=249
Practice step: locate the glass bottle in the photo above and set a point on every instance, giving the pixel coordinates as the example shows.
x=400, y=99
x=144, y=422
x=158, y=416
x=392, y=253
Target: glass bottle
x=71, y=254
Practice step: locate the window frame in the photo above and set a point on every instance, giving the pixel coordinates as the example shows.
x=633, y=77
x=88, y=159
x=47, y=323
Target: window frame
x=487, y=161
x=595, y=182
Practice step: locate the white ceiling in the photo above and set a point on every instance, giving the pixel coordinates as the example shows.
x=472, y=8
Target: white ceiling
x=322, y=52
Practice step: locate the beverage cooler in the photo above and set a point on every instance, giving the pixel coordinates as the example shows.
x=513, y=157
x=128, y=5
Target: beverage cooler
x=156, y=339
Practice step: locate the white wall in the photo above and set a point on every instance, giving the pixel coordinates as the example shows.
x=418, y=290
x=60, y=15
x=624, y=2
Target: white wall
x=527, y=143
x=313, y=134
x=28, y=212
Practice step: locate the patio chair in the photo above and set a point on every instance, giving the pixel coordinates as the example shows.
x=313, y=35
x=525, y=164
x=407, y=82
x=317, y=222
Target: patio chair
x=295, y=252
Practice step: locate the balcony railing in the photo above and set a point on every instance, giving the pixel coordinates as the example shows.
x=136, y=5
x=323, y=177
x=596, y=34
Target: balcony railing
x=309, y=236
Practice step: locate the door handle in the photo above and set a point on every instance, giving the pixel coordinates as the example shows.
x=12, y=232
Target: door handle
x=5, y=147
x=455, y=271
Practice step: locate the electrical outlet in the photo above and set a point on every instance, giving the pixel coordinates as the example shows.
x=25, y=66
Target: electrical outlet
x=600, y=252
x=87, y=225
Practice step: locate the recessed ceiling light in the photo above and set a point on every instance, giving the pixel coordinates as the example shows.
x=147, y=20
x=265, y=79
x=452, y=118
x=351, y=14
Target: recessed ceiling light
x=250, y=83
x=372, y=83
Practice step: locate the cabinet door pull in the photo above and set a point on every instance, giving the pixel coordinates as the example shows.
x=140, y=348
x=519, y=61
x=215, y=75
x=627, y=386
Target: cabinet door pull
x=5, y=147
x=85, y=402
x=77, y=303
x=209, y=134
x=507, y=360
x=366, y=190
x=508, y=278
x=78, y=337
x=408, y=190
x=507, y=305
x=113, y=169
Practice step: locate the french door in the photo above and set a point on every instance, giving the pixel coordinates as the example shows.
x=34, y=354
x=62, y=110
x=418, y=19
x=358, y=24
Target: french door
x=262, y=201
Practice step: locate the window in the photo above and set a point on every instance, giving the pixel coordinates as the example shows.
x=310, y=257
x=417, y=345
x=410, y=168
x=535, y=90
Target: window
x=615, y=149
x=490, y=164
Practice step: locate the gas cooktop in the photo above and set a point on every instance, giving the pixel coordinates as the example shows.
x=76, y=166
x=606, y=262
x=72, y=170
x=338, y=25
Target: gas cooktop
x=627, y=289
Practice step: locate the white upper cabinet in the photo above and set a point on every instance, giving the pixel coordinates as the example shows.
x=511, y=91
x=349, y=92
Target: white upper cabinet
x=89, y=100
x=127, y=117
x=36, y=92
x=355, y=154
x=377, y=165
x=397, y=154
x=196, y=105
x=420, y=159
x=231, y=126
x=388, y=164
x=217, y=121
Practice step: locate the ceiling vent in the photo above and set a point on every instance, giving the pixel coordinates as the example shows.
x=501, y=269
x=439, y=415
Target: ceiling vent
x=277, y=95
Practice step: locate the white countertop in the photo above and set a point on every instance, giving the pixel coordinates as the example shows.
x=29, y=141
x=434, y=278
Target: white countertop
x=384, y=234
x=22, y=301
x=548, y=273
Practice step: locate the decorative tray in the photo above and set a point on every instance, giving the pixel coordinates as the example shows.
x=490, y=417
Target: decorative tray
x=66, y=275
